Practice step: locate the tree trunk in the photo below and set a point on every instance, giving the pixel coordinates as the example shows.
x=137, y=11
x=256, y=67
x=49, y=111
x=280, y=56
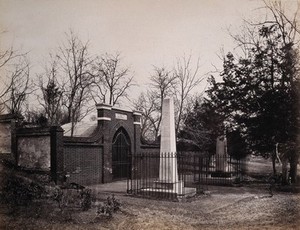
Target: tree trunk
x=293, y=171
x=72, y=127
x=274, y=165
x=285, y=175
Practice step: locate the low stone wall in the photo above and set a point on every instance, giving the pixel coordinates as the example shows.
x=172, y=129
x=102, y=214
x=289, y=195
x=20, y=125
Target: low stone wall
x=7, y=132
x=34, y=152
x=5, y=137
x=41, y=149
x=34, y=148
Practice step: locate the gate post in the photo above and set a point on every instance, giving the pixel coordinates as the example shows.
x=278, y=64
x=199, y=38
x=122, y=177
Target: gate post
x=130, y=171
x=57, y=154
x=104, y=120
x=137, y=131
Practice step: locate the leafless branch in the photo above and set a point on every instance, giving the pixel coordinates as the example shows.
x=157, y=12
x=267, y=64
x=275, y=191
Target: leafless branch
x=75, y=62
x=111, y=81
x=188, y=78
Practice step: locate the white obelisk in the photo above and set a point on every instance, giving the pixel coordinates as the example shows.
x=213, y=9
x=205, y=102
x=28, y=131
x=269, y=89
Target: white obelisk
x=168, y=160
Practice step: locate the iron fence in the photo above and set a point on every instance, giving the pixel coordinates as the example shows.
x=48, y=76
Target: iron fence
x=153, y=174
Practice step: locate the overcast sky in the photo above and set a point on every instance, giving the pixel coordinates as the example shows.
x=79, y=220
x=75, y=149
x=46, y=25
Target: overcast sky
x=146, y=32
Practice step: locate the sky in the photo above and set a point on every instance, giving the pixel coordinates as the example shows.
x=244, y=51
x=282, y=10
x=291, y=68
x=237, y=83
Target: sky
x=147, y=33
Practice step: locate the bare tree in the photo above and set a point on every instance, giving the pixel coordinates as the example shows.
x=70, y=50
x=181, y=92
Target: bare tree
x=287, y=25
x=150, y=116
x=18, y=87
x=10, y=67
x=52, y=94
x=7, y=55
x=187, y=78
x=75, y=62
x=161, y=85
x=111, y=80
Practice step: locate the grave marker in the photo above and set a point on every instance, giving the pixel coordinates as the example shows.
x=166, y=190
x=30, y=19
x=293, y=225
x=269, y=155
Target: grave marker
x=221, y=154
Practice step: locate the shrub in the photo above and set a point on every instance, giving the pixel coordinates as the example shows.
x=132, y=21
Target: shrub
x=19, y=191
x=108, y=207
x=86, y=196
x=73, y=197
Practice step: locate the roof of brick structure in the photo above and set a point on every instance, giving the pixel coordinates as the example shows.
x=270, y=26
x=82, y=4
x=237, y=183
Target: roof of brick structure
x=82, y=129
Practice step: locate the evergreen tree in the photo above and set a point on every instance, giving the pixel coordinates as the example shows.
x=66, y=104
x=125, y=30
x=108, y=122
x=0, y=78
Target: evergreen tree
x=202, y=126
x=258, y=94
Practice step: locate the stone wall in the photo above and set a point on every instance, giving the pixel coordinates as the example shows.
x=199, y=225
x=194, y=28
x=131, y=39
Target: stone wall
x=40, y=149
x=7, y=132
x=5, y=137
x=34, y=152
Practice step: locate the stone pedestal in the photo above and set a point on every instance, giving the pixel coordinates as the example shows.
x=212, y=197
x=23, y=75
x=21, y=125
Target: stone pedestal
x=173, y=187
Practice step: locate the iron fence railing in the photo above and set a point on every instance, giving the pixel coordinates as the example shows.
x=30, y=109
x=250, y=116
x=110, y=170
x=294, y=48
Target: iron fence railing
x=151, y=173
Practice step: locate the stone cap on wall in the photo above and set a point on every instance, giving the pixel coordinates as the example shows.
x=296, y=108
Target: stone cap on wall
x=137, y=113
x=110, y=107
x=103, y=106
x=9, y=117
x=79, y=141
x=36, y=131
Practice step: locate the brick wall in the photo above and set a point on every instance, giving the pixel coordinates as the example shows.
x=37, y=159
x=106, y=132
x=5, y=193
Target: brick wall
x=110, y=120
x=83, y=163
x=149, y=149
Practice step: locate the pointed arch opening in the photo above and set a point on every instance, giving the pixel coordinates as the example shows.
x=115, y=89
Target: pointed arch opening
x=121, y=147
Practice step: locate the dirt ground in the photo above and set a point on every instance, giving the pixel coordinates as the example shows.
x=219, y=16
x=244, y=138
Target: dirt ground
x=220, y=208
x=246, y=207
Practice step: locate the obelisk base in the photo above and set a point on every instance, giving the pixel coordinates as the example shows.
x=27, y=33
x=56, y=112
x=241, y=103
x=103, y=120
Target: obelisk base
x=175, y=187
x=172, y=189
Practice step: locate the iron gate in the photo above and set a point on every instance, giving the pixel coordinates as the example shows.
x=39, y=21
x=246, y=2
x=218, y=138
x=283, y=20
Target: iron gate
x=120, y=156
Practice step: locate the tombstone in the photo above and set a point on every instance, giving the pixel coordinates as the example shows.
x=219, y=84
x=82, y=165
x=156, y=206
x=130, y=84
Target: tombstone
x=221, y=154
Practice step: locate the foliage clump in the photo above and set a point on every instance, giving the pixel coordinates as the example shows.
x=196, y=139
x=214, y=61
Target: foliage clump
x=108, y=207
x=72, y=196
x=18, y=191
